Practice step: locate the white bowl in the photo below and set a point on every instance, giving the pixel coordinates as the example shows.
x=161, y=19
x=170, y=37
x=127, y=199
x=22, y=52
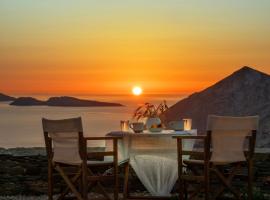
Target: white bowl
x=155, y=129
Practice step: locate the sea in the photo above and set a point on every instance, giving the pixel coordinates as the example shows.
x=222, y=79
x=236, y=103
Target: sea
x=20, y=126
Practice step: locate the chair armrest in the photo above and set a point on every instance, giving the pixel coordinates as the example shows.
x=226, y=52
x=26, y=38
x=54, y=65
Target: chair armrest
x=103, y=138
x=99, y=155
x=251, y=144
x=195, y=153
x=204, y=138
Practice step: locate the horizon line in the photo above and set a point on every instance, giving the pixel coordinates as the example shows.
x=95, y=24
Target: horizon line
x=94, y=94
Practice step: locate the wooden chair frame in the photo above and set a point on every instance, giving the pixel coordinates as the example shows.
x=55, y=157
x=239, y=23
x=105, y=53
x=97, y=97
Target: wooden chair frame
x=181, y=176
x=208, y=167
x=94, y=180
x=59, y=167
x=84, y=175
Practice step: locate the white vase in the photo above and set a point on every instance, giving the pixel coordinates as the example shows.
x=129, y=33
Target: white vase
x=152, y=121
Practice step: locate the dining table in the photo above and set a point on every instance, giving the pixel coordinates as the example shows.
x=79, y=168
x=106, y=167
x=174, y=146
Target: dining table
x=153, y=157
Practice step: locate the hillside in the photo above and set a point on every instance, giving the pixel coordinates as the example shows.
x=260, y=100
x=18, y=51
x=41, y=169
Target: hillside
x=71, y=101
x=4, y=97
x=61, y=101
x=27, y=101
x=245, y=92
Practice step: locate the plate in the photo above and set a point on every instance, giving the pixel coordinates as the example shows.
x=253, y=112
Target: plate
x=180, y=129
x=155, y=129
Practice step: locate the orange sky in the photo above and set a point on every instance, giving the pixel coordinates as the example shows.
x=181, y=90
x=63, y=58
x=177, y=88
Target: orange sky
x=105, y=47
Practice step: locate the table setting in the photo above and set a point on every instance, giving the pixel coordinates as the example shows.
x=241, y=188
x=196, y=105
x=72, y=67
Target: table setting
x=151, y=151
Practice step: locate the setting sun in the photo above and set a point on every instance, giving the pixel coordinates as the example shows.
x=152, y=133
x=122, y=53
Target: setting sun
x=137, y=90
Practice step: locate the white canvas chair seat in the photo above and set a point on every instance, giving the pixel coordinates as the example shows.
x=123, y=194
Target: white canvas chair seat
x=224, y=148
x=65, y=150
x=201, y=162
x=65, y=138
x=62, y=139
x=228, y=146
x=99, y=162
x=65, y=144
x=228, y=136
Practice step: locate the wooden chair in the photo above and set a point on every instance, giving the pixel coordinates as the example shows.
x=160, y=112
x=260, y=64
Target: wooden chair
x=111, y=163
x=224, y=146
x=67, y=148
x=64, y=144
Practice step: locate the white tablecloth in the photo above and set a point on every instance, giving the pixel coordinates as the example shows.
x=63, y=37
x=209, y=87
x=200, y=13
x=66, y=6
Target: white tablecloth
x=153, y=156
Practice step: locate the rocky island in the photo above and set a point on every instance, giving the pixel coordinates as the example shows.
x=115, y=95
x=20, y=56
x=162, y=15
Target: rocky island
x=4, y=97
x=27, y=101
x=64, y=101
x=74, y=102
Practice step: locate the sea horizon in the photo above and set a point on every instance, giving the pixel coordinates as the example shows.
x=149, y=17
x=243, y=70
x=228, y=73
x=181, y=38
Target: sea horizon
x=21, y=125
x=89, y=95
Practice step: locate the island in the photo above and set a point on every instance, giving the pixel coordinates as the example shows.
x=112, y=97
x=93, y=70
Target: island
x=64, y=101
x=27, y=101
x=4, y=97
x=75, y=102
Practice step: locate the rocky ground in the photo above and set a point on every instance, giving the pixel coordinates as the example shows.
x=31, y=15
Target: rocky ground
x=24, y=175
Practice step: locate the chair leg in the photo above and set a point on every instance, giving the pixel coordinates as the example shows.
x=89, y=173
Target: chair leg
x=206, y=181
x=74, y=179
x=50, y=181
x=96, y=184
x=181, y=189
x=229, y=180
x=116, y=183
x=185, y=190
x=84, y=182
x=69, y=183
x=103, y=191
x=199, y=189
x=226, y=183
x=250, y=179
x=126, y=176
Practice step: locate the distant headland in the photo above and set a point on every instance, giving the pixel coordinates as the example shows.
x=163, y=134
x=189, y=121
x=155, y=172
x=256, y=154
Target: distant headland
x=4, y=97
x=64, y=101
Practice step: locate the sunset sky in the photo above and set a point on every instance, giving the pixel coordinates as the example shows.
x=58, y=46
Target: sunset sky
x=106, y=47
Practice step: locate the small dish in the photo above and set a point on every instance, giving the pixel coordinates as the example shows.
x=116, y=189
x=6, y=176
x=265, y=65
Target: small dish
x=178, y=129
x=155, y=129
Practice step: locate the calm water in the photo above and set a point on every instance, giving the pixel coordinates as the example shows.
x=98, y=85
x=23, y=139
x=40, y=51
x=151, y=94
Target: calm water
x=21, y=126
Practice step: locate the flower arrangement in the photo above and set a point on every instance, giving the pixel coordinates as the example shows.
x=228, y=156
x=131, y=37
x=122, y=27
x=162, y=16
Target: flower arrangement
x=149, y=110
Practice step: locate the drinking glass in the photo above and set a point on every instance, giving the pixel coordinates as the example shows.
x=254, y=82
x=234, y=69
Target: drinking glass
x=187, y=124
x=124, y=125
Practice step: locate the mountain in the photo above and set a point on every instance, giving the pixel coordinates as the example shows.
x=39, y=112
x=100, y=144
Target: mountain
x=4, y=97
x=74, y=102
x=60, y=101
x=27, y=101
x=245, y=92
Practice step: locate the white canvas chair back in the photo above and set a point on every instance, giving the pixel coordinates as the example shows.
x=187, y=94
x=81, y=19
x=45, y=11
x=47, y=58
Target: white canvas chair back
x=65, y=138
x=228, y=135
